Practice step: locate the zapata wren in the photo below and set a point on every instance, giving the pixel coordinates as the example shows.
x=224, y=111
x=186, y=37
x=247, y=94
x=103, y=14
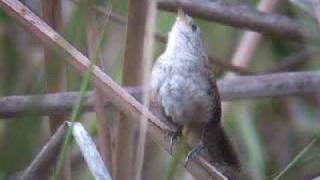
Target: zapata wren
x=185, y=88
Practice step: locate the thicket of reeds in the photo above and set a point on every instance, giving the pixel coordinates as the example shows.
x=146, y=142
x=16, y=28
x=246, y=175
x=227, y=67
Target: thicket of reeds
x=71, y=67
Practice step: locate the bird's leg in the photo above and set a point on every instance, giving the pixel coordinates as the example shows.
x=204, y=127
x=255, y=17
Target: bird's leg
x=198, y=148
x=174, y=136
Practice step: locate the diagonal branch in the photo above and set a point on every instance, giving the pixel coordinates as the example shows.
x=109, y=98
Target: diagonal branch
x=199, y=167
x=242, y=16
x=43, y=164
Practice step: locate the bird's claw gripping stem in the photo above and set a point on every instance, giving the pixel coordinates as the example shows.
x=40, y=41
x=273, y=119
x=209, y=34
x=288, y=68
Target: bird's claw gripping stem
x=194, y=151
x=174, y=137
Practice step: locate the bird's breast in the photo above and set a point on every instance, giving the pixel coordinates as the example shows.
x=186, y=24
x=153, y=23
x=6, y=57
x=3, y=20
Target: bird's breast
x=183, y=93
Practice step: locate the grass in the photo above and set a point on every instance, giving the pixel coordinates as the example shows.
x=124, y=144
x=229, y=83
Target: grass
x=296, y=159
x=76, y=111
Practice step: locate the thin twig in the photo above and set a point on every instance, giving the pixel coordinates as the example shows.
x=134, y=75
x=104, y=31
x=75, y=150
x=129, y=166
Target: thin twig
x=114, y=17
x=43, y=164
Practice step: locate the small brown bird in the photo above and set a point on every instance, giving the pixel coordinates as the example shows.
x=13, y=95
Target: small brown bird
x=185, y=88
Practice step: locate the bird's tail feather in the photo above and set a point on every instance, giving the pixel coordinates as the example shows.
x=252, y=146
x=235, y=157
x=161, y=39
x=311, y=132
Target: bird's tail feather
x=220, y=150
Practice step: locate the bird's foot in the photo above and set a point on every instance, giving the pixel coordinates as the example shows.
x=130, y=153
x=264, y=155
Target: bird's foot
x=194, y=151
x=174, y=137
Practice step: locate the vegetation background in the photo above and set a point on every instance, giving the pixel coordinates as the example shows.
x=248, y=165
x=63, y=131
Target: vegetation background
x=267, y=132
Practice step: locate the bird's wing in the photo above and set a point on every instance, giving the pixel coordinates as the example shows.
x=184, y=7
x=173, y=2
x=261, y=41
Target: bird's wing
x=215, y=96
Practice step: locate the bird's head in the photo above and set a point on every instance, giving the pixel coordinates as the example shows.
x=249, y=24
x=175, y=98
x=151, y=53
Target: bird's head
x=185, y=35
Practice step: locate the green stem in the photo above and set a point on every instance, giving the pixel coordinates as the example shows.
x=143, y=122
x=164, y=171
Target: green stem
x=76, y=112
x=293, y=162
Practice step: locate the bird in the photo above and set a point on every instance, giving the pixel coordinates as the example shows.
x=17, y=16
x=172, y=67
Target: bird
x=183, y=85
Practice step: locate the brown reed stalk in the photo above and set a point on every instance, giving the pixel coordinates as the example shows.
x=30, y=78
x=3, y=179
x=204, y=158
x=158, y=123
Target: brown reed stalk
x=55, y=75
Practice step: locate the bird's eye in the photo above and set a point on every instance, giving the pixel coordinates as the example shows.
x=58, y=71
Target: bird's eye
x=194, y=27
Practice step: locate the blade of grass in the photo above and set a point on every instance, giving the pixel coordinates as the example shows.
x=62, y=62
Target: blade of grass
x=295, y=160
x=251, y=140
x=103, y=122
x=76, y=112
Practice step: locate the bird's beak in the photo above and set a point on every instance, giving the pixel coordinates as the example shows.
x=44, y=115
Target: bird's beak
x=181, y=14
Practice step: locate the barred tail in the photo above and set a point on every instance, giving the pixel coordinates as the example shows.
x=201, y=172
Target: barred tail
x=220, y=150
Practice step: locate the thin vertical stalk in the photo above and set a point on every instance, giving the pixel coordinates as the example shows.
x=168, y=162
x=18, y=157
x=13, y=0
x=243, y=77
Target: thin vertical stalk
x=147, y=59
x=132, y=75
x=52, y=14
